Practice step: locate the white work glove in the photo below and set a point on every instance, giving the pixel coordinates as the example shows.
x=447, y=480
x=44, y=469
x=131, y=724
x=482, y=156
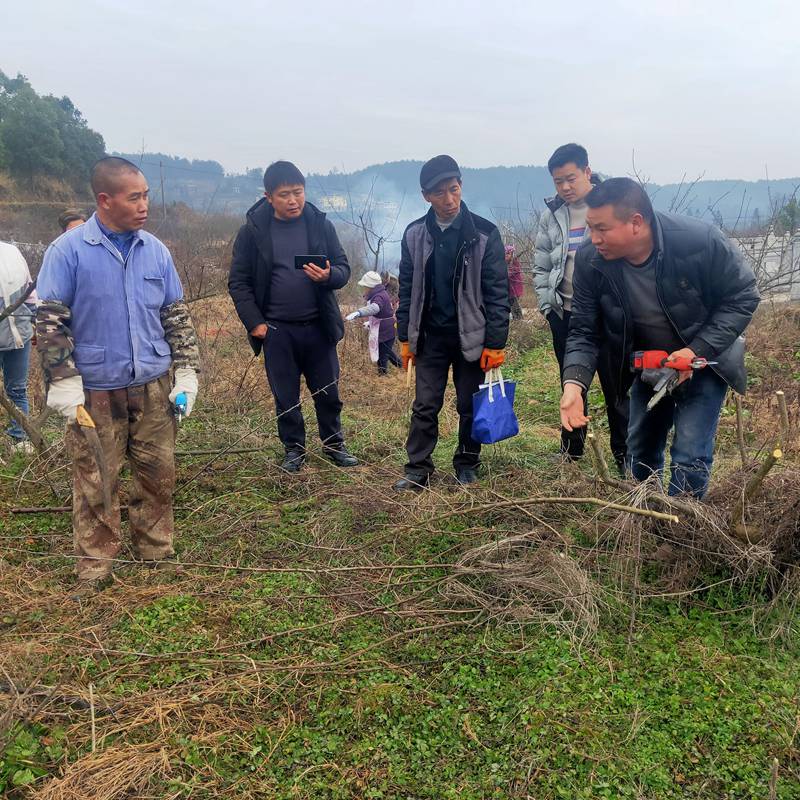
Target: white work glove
x=351, y=317
x=65, y=395
x=186, y=382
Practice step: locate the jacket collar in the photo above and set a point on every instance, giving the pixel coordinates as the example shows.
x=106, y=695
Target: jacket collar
x=555, y=202
x=93, y=234
x=261, y=215
x=375, y=291
x=468, y=231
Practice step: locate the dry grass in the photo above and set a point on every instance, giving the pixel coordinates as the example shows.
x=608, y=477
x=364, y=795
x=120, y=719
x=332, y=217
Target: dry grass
x=362, y=549
x=111, y=774
x=520, y=579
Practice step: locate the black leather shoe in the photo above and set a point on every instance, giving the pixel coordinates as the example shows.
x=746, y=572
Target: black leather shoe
x=340, y=456
x=293, y=461
x=412, y=482
x=466, y=475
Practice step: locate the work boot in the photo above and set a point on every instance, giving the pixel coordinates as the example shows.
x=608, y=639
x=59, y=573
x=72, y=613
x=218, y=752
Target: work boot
x=412, y=482
x=166, y=564
x=340, y=456
x=86, y=588
x=293, y=461
x=466, y=475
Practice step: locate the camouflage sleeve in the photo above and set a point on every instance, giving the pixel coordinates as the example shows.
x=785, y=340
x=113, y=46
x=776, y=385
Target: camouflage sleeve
x=54, y=340
x=180, y=335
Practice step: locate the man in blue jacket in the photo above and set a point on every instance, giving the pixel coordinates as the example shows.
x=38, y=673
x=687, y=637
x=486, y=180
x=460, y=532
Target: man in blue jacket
x=111, y=328
x=292, y=314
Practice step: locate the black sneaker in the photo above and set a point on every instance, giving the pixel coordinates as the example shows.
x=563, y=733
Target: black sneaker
x=466, y=475
x=340, y=456
x=412, y=482
x=293, y=461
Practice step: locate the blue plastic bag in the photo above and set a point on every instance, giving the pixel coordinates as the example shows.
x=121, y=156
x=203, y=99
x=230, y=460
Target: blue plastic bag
x=493, y=416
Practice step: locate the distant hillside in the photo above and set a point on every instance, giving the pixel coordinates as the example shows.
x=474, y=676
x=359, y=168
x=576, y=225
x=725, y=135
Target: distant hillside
x=495, y=192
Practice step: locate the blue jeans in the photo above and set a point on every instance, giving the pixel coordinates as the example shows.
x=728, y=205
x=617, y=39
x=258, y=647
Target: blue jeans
x=693, y=408
x=14, y=364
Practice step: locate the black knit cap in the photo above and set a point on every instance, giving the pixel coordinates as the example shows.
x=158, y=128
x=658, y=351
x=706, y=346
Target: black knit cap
x=438, y=169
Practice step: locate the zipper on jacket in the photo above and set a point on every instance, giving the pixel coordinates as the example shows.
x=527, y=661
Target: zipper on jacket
x=113, y=250
x=454, y=285
x=620, y=382
x=659, y=262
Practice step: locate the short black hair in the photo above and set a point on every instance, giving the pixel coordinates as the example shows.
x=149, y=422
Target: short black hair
x=625, y=195
x=282, y=173
x=568, y=154
x=106, y=172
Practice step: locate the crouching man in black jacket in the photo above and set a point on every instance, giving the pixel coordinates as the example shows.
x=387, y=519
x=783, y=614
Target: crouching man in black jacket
x=292, y=314
x=653, y=281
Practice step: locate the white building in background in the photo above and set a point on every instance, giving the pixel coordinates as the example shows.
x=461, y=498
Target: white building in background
x=333, y=202
x=776, y=262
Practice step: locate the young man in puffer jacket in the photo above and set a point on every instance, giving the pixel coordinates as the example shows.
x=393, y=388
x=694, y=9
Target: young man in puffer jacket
x=562, y=229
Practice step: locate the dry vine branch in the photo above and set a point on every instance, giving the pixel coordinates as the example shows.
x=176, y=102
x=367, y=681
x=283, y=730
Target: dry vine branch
x=750, y=490
x=737, y=399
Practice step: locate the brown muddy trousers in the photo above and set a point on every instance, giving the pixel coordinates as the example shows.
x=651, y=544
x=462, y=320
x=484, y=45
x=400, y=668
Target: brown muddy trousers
x=138, y=422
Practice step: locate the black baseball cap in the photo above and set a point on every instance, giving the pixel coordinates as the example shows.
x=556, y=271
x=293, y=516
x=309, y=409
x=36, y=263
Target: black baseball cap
x=438, y=169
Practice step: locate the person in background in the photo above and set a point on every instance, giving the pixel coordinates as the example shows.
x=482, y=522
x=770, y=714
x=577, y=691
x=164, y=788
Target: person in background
x=392, y=288
x=290, y=314
x=70, y=218
x=116, y=338
x=453, y=312
x=562, y=230
x=515, y=284
x=381, y=320
x=16, y=332
x=654, y=281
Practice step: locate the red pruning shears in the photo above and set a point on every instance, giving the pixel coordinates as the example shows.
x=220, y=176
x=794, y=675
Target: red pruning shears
x=661, y=374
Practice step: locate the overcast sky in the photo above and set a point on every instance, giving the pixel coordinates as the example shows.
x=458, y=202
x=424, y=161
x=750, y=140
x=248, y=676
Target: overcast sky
x=692, y=86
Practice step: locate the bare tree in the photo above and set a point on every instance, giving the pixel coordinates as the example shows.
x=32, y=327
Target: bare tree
x=375, y=230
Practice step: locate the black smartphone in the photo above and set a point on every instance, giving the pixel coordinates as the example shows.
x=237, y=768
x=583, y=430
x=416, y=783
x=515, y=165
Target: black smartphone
x=319, y=261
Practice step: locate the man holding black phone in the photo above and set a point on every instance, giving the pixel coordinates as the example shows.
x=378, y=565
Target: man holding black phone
x=287, y=263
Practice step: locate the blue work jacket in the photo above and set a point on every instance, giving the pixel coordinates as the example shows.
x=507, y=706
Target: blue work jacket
x=115, y=304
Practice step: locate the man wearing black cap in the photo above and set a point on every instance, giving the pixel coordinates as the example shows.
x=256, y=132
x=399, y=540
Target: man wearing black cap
x=453, y=311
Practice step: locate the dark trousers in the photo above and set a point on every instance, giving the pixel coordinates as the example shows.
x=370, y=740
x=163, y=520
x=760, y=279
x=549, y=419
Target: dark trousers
x=293, y=349
x=436, y=355
x=386, y=354
x=572, y=442
x=693, y=410
x=516, y=309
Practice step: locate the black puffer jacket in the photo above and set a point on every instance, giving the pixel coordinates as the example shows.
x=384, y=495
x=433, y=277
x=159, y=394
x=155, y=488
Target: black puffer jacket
x=251, y=269
x=705, y=287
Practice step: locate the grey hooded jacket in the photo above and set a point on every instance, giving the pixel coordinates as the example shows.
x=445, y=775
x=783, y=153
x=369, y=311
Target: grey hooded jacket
x=550, y=258
x=16, y=329
x=480, y=284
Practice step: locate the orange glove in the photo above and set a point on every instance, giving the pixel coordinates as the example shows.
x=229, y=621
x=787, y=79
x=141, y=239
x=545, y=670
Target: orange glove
x=406, y=355
x=491, y=359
